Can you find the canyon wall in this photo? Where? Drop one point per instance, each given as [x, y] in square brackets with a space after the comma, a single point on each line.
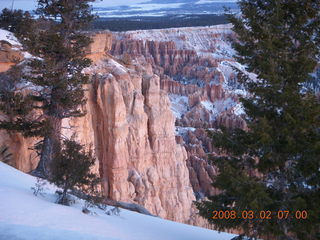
[195, 70]
[153, 95]
[14, 148]
[130, 126]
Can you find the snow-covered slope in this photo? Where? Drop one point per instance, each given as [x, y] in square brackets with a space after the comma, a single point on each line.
[6, 36]
[9, 37]
[24, 216]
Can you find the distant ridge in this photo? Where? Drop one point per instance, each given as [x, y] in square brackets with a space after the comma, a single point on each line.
[145, 23]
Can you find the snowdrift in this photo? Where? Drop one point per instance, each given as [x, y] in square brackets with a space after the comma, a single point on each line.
[24, 216]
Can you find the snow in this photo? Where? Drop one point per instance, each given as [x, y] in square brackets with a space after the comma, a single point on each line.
[219, 106]
[209, 41]
[17, 46]
[120, 68]
[153, 7]
[28, 55]
[181, 131]
[138, 9]
[238, 109]
[179, 105]
[148, 14]
[199, 39]
[9, 37]
[226, 67]
[28, 217]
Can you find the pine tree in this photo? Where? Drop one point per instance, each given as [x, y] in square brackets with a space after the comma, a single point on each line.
[275, 165]
[71, 170]
[57, 74]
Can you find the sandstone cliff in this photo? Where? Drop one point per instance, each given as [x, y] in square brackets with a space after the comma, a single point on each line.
[133, 134]
[146, 116]
[195, 69]
[130, 126]
[14, 144]
[10, 50]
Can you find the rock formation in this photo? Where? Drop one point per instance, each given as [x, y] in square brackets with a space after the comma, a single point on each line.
[130, 126]
[15, 144]
[10, 54]
[194, 65]
[146, 118]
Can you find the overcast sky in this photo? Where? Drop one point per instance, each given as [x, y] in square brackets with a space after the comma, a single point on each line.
[30, 4]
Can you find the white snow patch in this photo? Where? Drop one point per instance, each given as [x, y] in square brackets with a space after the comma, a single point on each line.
[226, 67]
[153, 7]
[241, 92]
[9, 37]
[27, 217]
[118, 66]
[217, 107]
[147, 14]
[179, 105]
[28, 55]
[139, 9]
[208, 105]
[238, 109]
[181, 131]
[17, 46]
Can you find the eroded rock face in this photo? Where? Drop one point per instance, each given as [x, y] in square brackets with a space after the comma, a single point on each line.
[130, 126]
[17, 146]
[100, 46]
[21, 156]
[9, 55]
[132, 111]
[133, 128]
[194, 65]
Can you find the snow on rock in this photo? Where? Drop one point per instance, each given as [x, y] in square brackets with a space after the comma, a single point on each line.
[9, 37]
[181, 131]
[238, 109]
[117, 65]
[11, 51]
[219, 106]
[201, 39]
[190, 76]
[179, 105]
[28, 217]
[228, 67]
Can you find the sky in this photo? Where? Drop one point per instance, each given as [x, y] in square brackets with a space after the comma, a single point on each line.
[30, 4]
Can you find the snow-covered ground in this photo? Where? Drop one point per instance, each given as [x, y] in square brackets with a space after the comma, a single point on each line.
[201, 39]
[9, 37]
[179, 105]
[181, 131]
[24, 216]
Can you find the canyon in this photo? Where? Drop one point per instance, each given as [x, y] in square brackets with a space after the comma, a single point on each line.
[153, 96]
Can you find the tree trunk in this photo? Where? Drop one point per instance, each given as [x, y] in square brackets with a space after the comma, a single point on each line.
[64, 199]
[51, 146]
